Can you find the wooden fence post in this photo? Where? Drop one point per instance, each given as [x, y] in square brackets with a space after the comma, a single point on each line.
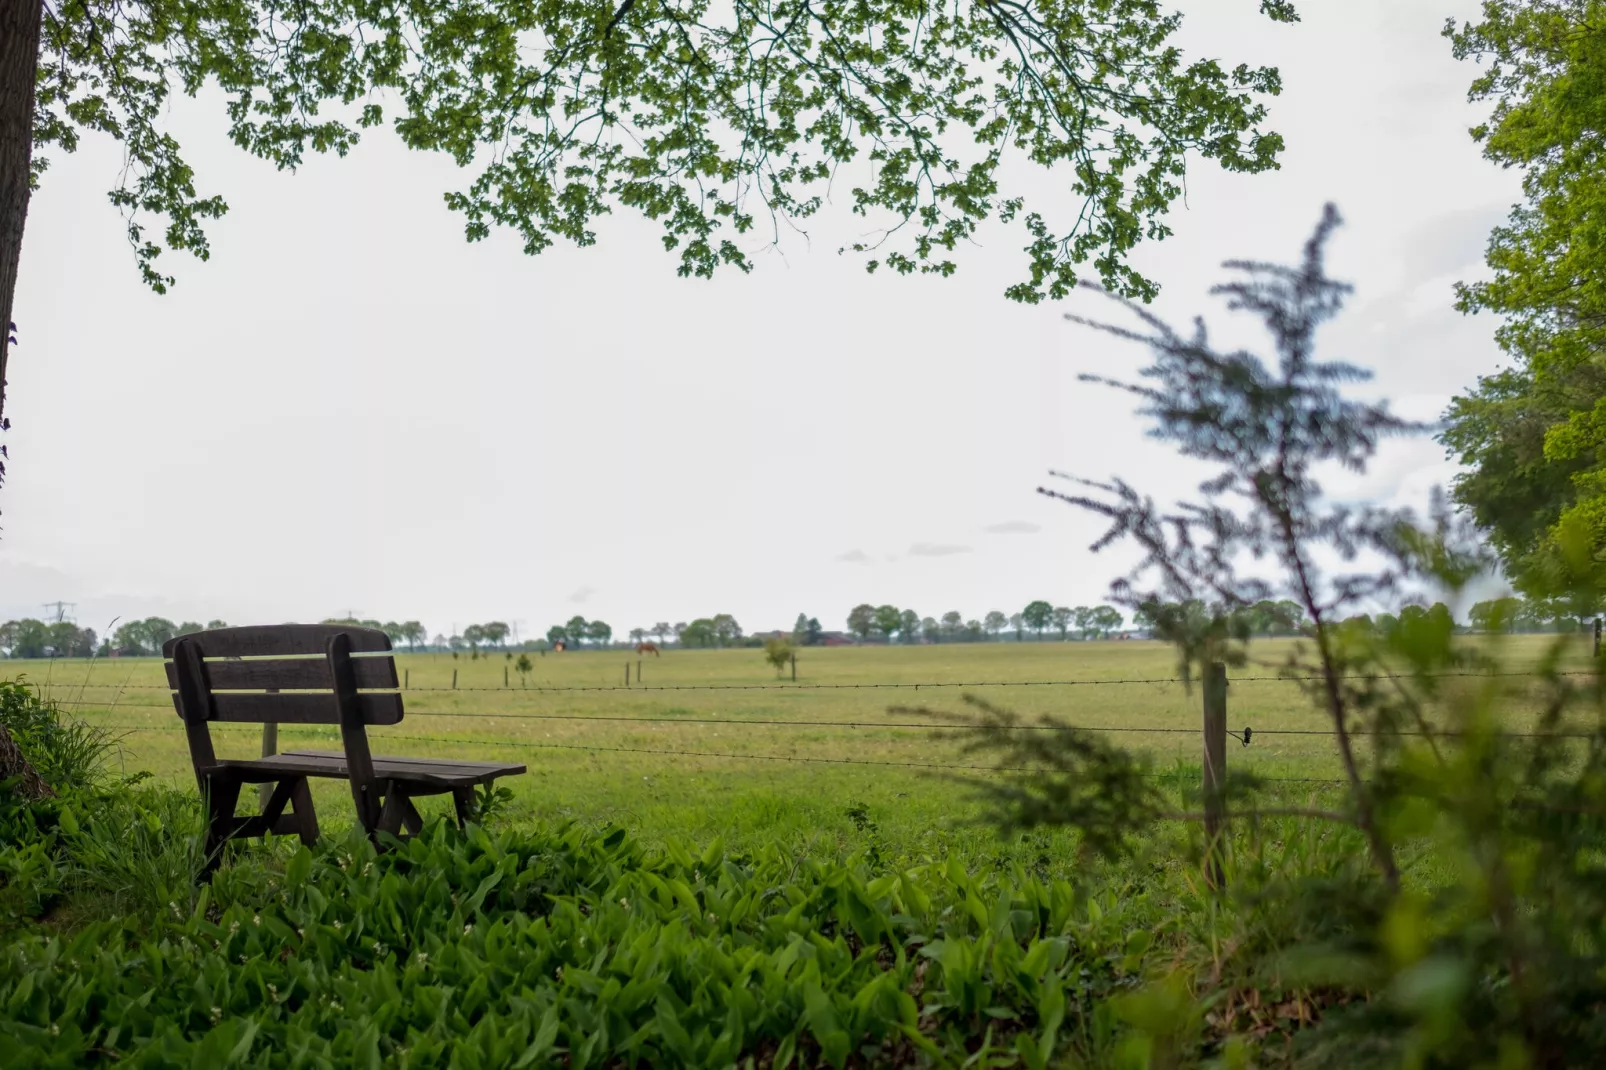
[638, 670]
[1215, 769]
[270, 747]
[504, 676]
[407, 679]
[794, 668]
[1597, 638]
[454, 679]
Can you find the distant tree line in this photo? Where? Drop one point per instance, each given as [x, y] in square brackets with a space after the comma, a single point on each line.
[1039, 620]
[29, 638]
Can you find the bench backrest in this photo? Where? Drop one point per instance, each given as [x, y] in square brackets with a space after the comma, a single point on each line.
[288, 673]
[282, 673]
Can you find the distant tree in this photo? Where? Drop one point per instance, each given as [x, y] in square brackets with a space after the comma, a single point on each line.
[557, 634]
[777, 652]
[1017, 623]
[816, 633]
[523, 667]
[495, 632]
[699, 633]
[800, 629]
[638, 635]
[662, 631]
[909, 626]
[1499, 614]
[930, 630]
[888, 619]
[974, 631]
[680, 628]
[861, 621]
[726, 631]
[28, 638]
[393, 632]
[1037, 616]
[1083, 618]
[994, 622]
[66, 640]
[214, 625]
[1063, 618]
[1104, 620]
[189, 627]
[953, 625]
[413, 633]
[599, 633]
[577, 629]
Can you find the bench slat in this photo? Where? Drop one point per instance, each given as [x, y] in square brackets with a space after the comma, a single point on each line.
[289, 674]
[376, 708]
[333, 764]
[270, 640]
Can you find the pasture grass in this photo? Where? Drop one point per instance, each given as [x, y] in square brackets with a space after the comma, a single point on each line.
[706, 766]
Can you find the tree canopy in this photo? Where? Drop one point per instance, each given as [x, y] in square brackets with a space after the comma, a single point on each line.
[1533, 436]
[726, 124]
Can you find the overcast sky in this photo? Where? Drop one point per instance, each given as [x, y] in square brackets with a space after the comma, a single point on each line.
[349, 408]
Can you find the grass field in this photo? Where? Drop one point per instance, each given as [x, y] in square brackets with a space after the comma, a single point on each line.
[712, 744]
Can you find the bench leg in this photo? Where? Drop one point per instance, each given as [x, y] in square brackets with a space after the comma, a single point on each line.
[399, 811]
[463, 802]
[222, 795]
[306, 816]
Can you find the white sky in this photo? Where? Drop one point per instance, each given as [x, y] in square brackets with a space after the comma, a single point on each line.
[350, 408]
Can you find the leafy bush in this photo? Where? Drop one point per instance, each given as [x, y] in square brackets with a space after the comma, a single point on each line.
[66, 752]
[560, 944]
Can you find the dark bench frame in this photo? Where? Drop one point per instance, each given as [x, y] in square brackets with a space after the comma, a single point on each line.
[305, 674]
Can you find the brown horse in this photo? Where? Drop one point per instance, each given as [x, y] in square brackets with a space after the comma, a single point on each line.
[647, 648]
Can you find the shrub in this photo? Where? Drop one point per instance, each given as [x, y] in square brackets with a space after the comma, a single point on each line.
[67, 753]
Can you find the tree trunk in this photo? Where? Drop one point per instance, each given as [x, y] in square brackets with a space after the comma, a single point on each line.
[19, 69]
[13, 764]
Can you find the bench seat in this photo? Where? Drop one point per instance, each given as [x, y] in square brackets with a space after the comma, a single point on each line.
[417, 773]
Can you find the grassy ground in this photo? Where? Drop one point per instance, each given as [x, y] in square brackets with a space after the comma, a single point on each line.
[705, 765]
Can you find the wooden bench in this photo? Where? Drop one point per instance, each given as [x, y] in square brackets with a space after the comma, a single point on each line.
[305, 674]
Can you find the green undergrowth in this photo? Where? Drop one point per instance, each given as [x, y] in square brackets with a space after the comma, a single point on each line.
[565, 945]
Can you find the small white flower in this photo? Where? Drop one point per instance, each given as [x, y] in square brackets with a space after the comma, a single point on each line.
[256, 919]
[422, 957]
[624, 903]
[234, 927]
[217, 1012]
[558, 973]
[337, 923]
[55, 1030]
[468, 928]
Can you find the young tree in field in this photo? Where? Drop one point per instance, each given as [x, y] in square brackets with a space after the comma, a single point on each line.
[474, 635]
[717, 121]
[888, 619]
[1037, 616]
[909, 626]
[862, 621]
[1063, 617]
[994, 622]
[523, 667]
[953, 625]
[778, 652]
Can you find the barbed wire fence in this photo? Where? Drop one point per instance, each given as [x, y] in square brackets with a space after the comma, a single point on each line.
[1213, 730]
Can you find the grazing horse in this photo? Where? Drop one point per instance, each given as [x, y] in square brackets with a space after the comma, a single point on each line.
[647, 648]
